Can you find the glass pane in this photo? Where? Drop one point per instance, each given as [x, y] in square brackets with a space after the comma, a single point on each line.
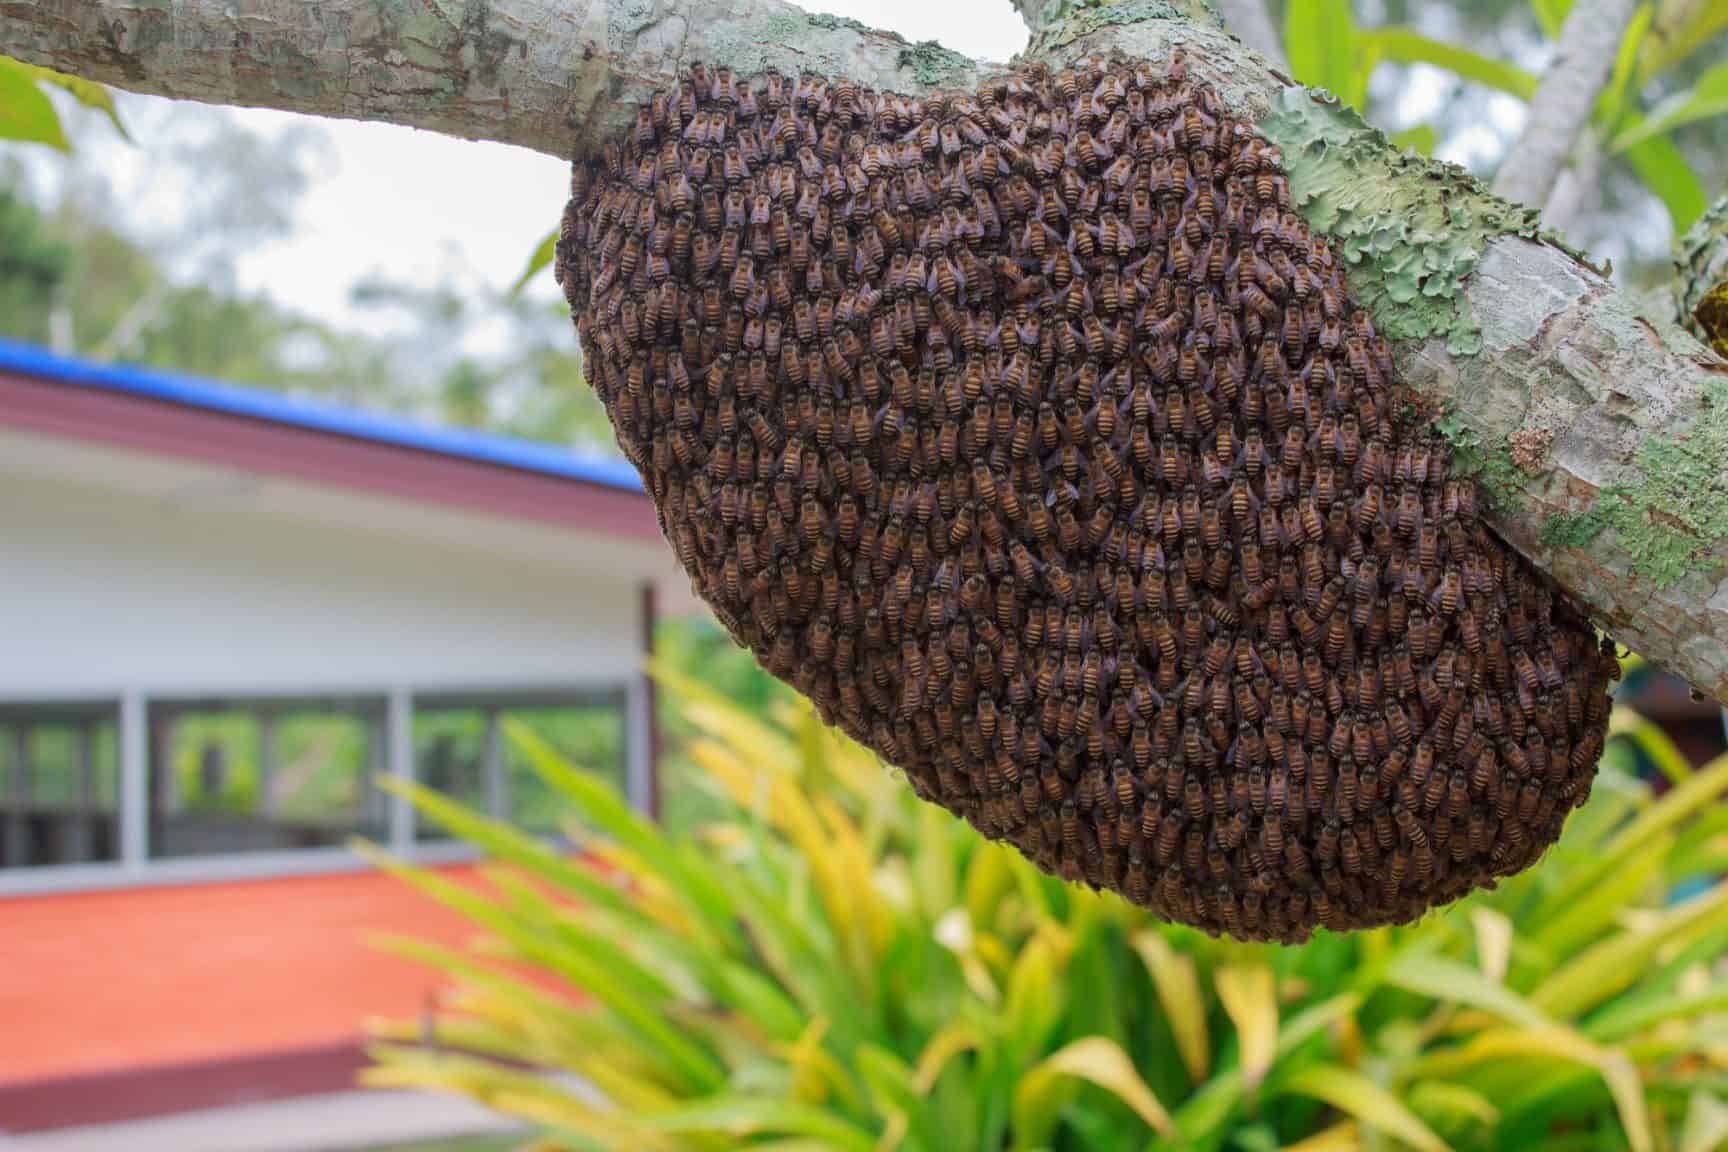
[59, 774]
[460, 750]
[449, 754]
[240, 776]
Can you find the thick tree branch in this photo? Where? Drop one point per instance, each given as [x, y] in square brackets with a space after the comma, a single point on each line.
[1701, 278]
[552, 75]
[1601, 435]
[1564, 100]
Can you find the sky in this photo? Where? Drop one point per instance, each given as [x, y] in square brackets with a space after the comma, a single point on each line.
[421, 208]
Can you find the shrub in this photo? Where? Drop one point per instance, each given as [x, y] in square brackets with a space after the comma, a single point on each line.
[828, 964]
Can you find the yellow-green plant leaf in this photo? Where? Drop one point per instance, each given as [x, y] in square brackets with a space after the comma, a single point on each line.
[1456, 1100]
[1250, 998]
[1611, 105]
[1178, 986]
[989, 877]
[1551, 14]
[1705, 99]
[948, 1043]
[605, 808]
[26, 113]
[1627, 1018]
[682, 1055]
[1493, 941]
[1706, 1128]
[1102, 1061]
[1317, 1018]
[539, 259]
[1321, 41]
[86, 92]
[1520, 1045]
[1681, 29]
[1035, 995]
[506, 842]
[740, 1115]
[1700, 790]
[1355, 1095]
[1587, 920]
[1453, 982]
[1649, 738]
[1408, 46]
[1342, 1137]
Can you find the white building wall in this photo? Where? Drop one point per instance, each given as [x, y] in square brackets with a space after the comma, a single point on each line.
[102, 589]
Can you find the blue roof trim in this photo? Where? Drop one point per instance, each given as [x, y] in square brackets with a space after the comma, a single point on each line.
[317, 416]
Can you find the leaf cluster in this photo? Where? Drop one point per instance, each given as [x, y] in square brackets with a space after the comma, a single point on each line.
[827, 964]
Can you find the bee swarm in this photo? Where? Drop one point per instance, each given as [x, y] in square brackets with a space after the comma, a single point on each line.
[1033, 437]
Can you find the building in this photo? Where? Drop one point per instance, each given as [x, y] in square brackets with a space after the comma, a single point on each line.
[226, 614]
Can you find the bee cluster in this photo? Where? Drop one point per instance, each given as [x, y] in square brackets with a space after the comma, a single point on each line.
[1032, 435]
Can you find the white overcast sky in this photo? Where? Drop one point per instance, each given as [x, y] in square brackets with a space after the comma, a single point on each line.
[423, 208]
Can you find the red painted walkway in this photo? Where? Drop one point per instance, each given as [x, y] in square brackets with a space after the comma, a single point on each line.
[120, 982]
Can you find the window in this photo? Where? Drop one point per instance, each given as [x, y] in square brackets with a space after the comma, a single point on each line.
[460, 749]
[59, 784]
[239, 776]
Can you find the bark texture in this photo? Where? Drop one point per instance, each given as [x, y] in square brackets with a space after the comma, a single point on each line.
[1600, 434]
[1564, 100]
[557, 76]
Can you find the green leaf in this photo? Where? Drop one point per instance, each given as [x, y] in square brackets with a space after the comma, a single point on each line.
[1658, 747]
[1421, 137]
[738, 1115]
[1178, 988]
[1608, 968]
[506, 842]
[543, 254]
[1104, 1063]
[1667, 46]
[1449, 981]
[1353, 1093]
[1705, 99]
[1611, 105]
[1320, 39]
[684, 1058]
[609, 812]
[1408, 46]
[1551, 14]
[86, 92]
[26, 113]
[1250, 999]
[1706, 1123]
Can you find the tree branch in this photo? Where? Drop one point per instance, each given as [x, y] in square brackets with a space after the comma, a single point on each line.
[1578, 185]
[1701, 281]
[1564, 100]
[1600, 434]
[550, 75]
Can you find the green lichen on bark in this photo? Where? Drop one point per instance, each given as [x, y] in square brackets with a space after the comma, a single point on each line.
[1674, 510]
[930, 63]
[1410, 230]
[1572, 529]
[1490, 465]
[1702, 278]
[1062, 22]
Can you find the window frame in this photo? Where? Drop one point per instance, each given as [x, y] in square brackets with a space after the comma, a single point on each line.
[397, 703]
